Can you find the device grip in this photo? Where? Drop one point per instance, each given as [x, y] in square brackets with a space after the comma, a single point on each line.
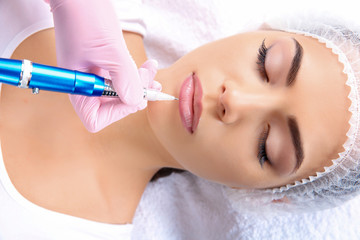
[63, 80]
[10, 71]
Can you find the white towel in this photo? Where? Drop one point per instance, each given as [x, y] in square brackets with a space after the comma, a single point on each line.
[184, 206]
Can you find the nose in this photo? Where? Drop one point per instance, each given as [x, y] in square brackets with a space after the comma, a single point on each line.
[237, 102]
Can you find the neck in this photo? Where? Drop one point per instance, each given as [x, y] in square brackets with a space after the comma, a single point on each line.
[133, 141]
[134, 154]
[133, 136]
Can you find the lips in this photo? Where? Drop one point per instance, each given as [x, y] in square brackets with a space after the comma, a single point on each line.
[190, 105]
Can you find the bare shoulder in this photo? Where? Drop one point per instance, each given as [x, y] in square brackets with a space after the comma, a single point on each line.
[39, 47]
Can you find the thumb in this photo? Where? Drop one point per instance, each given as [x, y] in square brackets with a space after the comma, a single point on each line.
[127, 82]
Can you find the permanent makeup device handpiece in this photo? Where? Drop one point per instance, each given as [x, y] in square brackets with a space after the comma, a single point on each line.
[26, 74]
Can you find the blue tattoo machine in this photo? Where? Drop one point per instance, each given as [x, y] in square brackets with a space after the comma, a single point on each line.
[26, 74]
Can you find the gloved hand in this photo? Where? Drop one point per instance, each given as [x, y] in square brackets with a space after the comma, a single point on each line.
[98, 112]
[89, 39]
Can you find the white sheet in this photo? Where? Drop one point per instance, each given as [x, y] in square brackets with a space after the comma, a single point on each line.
[184, 206]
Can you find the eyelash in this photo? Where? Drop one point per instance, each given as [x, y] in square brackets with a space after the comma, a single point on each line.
[262, 156]
[261, 60]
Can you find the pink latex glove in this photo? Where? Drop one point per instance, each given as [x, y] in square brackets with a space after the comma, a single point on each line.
[98, 112]
[89, 39]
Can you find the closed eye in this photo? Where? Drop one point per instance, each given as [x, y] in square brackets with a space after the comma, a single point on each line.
[262, 155]
[261, 61]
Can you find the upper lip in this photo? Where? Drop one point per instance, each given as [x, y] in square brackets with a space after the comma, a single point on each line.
[190, 105]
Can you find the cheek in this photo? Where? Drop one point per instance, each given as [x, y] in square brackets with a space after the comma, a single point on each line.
[223, 155]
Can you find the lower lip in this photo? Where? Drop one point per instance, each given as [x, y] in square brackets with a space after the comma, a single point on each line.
[190, 105]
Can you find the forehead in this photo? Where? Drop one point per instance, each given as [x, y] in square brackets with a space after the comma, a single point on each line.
[319, 101]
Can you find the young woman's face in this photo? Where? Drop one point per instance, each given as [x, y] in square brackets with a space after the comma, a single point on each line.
[272, 109]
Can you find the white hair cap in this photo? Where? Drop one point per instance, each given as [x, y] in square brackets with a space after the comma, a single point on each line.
[341, 181]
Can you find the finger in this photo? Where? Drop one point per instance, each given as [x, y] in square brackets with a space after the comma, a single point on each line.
[156, 85]
[147, 73]
[152, 65]
[127, 83]
[86, 108]
[110, 112]
[115, 58]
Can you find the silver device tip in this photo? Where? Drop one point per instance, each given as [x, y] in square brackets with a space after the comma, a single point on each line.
[154, 95]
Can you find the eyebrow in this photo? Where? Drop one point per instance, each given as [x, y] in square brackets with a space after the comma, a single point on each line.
[296, 140]
[295, 64]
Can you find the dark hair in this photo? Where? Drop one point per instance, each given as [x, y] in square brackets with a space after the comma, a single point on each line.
[164, 172]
